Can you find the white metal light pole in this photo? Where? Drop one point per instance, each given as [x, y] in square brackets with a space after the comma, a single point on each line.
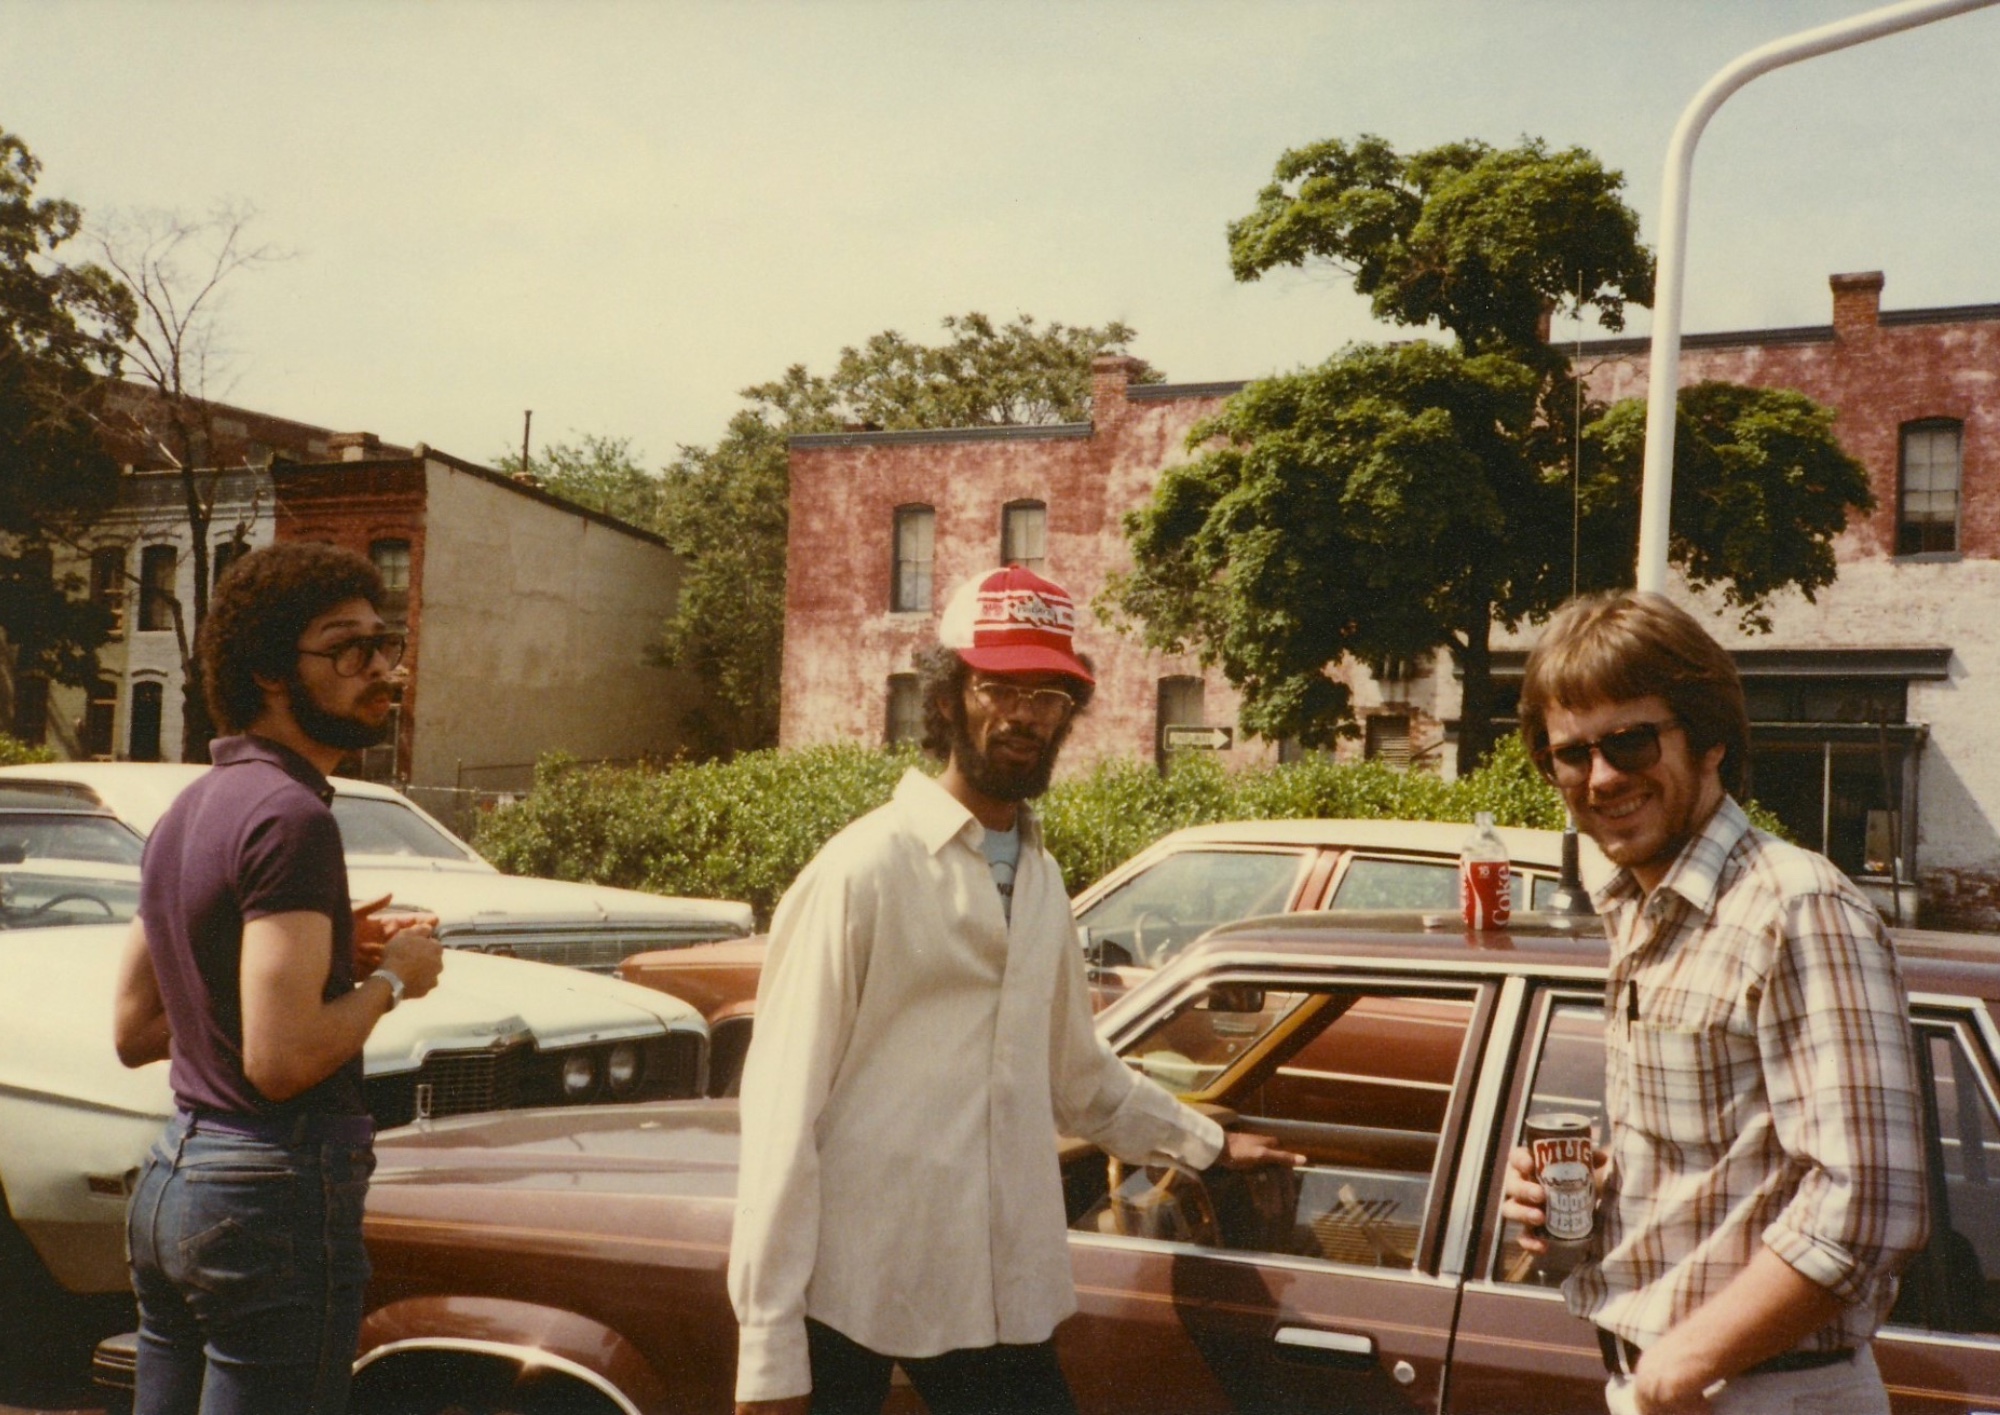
[1656, 491]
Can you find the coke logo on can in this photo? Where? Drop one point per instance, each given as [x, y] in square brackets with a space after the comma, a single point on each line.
[1563, 1154]
[1485, 893]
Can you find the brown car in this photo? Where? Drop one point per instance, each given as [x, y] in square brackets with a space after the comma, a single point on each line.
[574, 1260]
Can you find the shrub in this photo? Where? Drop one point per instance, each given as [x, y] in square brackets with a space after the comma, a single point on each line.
[742, 829]
[15, 752]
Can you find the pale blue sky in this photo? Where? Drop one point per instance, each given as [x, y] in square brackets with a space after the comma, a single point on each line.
[618, 214]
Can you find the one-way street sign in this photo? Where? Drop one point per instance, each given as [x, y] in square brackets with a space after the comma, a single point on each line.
[1212, 739]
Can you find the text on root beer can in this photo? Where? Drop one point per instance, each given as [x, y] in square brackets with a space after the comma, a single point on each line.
[1561, 1145]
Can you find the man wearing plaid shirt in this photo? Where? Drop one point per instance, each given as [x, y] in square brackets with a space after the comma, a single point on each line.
[1764, 1178]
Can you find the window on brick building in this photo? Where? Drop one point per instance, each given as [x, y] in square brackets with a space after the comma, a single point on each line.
[147, 700]
[906, 710]
[910, 575]
[227, 553]
[1182, 702]
[100, 715]
[1024, 535]
[1927, 494]
[392, 560]
[1388, 739]
[31, 709]
[107, 583]
[156, 587]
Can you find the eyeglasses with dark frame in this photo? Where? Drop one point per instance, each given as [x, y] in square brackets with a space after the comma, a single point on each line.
[1035, 704]
[1633, 748]
[351, 657]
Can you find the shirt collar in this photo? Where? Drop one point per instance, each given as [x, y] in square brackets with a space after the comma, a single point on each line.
[233, 751]
[1696, 873]
[939, 817]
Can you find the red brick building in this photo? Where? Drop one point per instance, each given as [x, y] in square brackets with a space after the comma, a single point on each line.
[1871, 731]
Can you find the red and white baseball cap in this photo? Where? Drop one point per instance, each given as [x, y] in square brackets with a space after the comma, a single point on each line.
[1013, 621]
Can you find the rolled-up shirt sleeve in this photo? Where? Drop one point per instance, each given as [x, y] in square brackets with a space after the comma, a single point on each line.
[806, 1003]
[1841, 1074]
[1098, 1098]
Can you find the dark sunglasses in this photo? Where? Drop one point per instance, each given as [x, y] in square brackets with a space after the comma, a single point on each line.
[1631, 748]
[352, 656]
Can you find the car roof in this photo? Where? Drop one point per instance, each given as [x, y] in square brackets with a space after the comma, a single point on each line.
[1534, 943]
[1525, 845]
[14, 802]
[140, 792]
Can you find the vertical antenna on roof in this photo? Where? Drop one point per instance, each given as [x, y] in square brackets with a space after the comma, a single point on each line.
[527, 421]
[1576, 452]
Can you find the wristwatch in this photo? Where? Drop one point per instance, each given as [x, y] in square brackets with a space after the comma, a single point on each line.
[395, 985]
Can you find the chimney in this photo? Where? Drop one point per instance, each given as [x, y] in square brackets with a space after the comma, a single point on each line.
[1857, 303]
[1110, 374]
[354, 446]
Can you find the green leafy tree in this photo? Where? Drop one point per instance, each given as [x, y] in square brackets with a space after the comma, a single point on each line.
[725, 508]
[61, 327]
[598, 472]
[1407, 498]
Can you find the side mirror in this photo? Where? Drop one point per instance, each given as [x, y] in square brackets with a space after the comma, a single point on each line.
[1234, 997]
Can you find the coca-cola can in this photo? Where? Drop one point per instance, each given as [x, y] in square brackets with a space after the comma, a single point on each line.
[1485, 893]
[1563, 1153]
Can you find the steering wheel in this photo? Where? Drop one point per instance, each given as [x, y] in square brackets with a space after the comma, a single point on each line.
[1162, 923]
[74, 895]
[1177, 1208]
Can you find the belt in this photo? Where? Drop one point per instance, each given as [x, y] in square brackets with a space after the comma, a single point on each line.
[305, 1128]
[1621, 1358]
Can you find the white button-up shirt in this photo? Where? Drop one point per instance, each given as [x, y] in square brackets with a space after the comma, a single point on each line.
[914, 1059]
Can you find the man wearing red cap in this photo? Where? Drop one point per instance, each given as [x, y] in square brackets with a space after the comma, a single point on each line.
[924, 1032]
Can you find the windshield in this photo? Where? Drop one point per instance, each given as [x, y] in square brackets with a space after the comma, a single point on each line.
[62, 869]
[1159, 911]
[369, 826]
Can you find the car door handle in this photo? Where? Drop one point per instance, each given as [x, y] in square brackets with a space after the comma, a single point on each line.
[1331, 1348]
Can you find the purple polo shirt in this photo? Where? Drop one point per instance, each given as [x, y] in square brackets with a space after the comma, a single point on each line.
[253, 837]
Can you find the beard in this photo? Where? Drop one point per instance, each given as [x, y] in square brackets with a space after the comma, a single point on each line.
[332, 729]
[1003, 781]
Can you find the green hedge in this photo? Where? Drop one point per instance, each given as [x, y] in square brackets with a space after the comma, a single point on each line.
[742, 829]
[15, 752]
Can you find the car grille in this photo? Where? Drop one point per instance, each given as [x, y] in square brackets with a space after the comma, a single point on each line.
[598, 950]
[472, 1082]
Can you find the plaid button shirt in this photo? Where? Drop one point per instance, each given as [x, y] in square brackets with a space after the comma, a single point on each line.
[1761, 1088]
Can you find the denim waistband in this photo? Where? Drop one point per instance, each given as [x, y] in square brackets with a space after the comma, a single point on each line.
[305, 1128]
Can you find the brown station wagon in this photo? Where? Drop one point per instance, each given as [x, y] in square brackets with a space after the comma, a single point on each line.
[574, 1260]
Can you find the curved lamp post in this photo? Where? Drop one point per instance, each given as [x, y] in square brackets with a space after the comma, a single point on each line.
[1657, 488]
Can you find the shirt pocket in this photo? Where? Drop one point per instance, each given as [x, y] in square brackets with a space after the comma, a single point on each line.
[1690, 1086]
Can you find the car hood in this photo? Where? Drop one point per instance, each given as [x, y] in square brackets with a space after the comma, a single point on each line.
[651, 1148]
[471, 900]
[487, 1000]
[56, 1016]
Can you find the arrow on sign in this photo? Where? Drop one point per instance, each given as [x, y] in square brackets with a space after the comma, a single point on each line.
[1212, 739]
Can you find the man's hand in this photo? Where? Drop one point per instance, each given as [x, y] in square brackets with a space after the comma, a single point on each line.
[1672, 1378]
[1241, 1151]
[372, 929]
[1521, 1198]
[414, 955]
[790, 1405]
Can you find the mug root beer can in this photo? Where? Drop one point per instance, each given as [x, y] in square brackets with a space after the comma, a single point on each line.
[1561, 1145]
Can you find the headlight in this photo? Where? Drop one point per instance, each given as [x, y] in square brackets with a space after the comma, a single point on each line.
[621, 1072]
[579, 1076]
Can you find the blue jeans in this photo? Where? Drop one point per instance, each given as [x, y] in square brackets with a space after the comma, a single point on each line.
[248, 1264]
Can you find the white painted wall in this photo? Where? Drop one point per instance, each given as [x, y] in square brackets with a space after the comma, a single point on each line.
[535, 630]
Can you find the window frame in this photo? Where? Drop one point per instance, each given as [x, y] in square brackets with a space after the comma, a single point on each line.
[1010, 550]
[912, 580]
[1906, 529]
[156, 600]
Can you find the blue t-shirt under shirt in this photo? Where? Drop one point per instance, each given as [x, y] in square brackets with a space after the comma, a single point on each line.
[1002, 849]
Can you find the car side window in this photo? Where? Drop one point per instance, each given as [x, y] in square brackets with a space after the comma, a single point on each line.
[1568, 1079]
[1396, 884]
[1162, 909]
[1954, 1285]
[1360, 1082]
